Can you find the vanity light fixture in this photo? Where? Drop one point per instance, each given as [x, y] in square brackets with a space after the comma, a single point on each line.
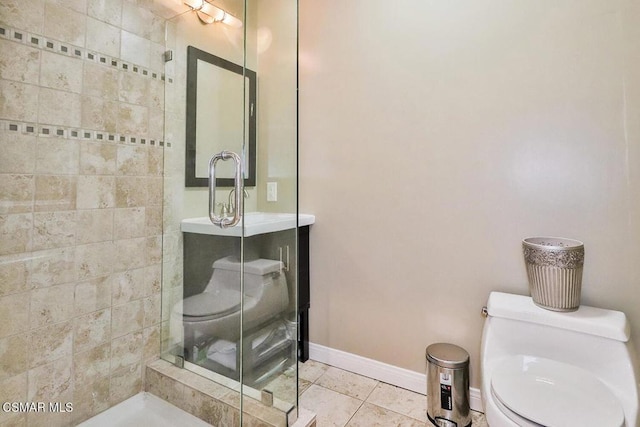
[209, 13]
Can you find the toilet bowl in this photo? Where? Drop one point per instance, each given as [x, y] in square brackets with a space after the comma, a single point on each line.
[215, 313]
[553, 369]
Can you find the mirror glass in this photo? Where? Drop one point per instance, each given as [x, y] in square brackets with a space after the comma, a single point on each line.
[221, 99]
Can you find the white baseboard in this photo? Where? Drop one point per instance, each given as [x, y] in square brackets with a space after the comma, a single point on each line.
[384, 372]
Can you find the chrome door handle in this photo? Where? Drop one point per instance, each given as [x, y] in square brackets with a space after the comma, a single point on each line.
[223, 221]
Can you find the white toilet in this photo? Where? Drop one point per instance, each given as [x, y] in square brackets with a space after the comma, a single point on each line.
[215, 313]
[553, 369]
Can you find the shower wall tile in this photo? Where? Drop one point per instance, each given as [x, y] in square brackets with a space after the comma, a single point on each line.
[19, 62]
[18, 152]
[54, 229]
[15, 233]
[97, 158]
[95, 192]
[128, 286]
[57, 156]
[56, 419]
[133, 160]
[153, 220]
[109, 11]
[95, 259]
[91, 330]
[128, 254]
[127, 318]
[77, 5]
[156, 59]
[133, 119]
[100, 114]
[126, 350]
[156, 125]
[53, 267]
[91, 381]
[14, 274]
[13, 356]
[90, 398]
[52, 305]
[19, 101]
[102, 37]
[152, 306]
[13, 389]
[134, 88]
[129, 223]
[50, 343]
[13, 12]
[134, 48]
[156, 93]
[154, 249]
[59, 107]
[92, 295]
[132, 15]
[64, 24]
[94, 225]
[131, 192]
[154, 191]
[51, 382]
[152, 279]
[125, 382]
[81, 125]
[151, 342]
[100, 81]
[55, 193]
[13, 318]
[61, 72]
[17, 191]
[92, 365]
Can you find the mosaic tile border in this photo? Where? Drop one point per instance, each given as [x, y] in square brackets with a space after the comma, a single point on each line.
[40, 130]
[52, 45]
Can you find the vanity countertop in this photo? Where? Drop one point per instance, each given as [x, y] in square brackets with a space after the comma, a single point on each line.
[254, 223]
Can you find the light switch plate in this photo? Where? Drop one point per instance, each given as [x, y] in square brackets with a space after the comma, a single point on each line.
[272, 191]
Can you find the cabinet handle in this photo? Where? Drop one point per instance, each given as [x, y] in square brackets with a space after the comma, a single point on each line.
[285, 264]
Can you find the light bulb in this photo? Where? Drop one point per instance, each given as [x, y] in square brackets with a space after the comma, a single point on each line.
[194, 4]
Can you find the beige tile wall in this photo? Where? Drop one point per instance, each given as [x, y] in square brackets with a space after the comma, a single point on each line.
[81, 164]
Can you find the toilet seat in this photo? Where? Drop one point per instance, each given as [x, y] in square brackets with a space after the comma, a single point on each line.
[210, 305]
[550, 393]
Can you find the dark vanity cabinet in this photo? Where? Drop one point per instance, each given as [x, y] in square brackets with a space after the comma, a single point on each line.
[201, 250]
[304, 296]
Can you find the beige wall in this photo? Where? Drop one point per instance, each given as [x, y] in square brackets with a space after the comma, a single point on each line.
[434, 136]
[277, 103]
[81, 88]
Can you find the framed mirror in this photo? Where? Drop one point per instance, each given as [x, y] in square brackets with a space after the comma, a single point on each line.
[221, 115]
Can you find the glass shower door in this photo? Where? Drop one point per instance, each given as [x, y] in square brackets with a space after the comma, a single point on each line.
[270, 347]
[230, 290]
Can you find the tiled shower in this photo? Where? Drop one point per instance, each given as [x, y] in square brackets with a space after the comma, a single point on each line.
[81, 143]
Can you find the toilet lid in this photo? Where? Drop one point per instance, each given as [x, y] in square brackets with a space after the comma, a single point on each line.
[554, 394]
[218, 302]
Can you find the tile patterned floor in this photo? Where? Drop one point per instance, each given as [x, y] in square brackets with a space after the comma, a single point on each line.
[344, 399]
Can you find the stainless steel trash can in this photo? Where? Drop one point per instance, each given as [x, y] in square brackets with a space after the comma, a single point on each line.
[448, 385]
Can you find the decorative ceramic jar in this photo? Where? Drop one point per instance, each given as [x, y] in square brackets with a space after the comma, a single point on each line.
[554, 268]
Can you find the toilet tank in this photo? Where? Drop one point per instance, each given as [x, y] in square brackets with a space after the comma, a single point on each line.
[594, 339]
[258, 273]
